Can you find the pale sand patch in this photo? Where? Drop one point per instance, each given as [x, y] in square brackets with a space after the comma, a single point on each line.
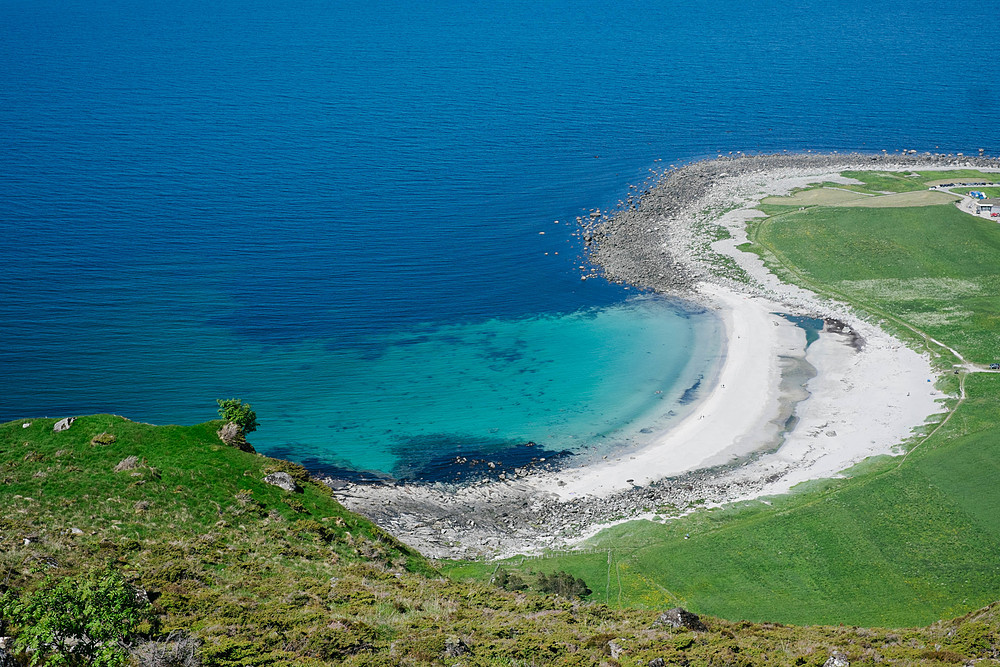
[860, 404]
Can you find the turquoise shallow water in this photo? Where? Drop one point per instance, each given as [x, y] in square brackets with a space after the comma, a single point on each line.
[587, 382]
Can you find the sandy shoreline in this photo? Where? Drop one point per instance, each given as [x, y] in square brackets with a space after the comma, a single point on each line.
[737, 414]
[864, 400]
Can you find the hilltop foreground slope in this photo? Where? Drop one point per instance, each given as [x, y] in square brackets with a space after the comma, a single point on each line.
[261, 576]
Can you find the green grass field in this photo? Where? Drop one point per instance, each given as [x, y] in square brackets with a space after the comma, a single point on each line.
[933, 267]
[902, 541]
[989, 191]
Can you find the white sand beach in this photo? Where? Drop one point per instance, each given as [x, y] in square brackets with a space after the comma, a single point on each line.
[732, 420]
[861, 403]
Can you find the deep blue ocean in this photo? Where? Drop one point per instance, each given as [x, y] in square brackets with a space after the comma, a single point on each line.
[334, 209]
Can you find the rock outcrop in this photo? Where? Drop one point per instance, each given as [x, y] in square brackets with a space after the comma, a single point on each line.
[232, 435]
[679, 618]
[63, 424]
[282, 480]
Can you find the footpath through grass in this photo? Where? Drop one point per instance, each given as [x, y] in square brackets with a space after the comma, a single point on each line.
[900, 542]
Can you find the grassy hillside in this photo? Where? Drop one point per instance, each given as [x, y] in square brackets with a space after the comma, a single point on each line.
[261, 576]
[902, 541]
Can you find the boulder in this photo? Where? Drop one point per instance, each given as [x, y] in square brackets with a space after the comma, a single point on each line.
[127, 463]
[455, 647]
[679, 618]
[282, 480]
[232, 435]
[6, 659]
[657, 662]
[63, 424]
[615, 649]
[837, 659]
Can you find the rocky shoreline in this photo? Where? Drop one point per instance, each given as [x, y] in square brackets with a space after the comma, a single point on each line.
[658, 241]
[651, 242]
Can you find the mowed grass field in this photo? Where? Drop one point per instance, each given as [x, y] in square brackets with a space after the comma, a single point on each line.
[902, 541]
[933, 267]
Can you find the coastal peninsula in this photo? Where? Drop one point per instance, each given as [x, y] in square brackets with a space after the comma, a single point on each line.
[756, 433]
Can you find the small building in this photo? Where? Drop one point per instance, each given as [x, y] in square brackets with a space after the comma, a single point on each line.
[987, 206]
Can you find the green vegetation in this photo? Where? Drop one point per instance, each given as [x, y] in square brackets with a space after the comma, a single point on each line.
[235, 411]
[935, 267]
[79, 620]
[958, 175]
[245, 574]
[885, 181]
[900, 541]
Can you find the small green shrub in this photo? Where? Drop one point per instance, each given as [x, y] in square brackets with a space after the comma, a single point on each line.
[343, 637]
[509, 581]
[234, 410]
[83, 620]
[563, 584]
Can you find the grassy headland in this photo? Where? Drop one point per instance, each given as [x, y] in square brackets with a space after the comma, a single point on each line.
[260, 576]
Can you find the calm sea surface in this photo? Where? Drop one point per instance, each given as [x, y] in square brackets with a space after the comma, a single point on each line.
[333, 209]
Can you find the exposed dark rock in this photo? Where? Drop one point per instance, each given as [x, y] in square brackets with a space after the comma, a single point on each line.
[283, 480]
[657, 662]
[63, 424]
[127, 463]
[455, 647]
[679, 618]
[837, 659]
[232, 435]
